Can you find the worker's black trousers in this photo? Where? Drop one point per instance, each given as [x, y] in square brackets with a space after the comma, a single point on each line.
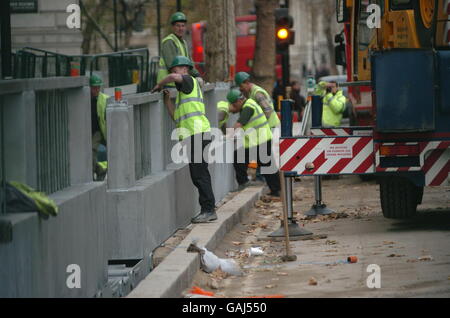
[200, 174]
[272, 179]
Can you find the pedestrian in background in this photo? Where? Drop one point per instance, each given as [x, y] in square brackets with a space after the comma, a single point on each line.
[299, 100]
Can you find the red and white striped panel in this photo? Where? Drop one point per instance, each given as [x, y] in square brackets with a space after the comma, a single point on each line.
[331, 131]
[434, 161]
[343, 131]
[329, 155]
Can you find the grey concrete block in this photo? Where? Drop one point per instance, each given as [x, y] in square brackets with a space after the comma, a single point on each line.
[34, 264]
[177, 270]
[54, 6]
[33, 20]
[20, 138]
[121, 162]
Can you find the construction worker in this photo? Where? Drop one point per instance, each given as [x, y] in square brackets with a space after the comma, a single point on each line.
[321, 89]
[174, 45]
[223, 113]
[334, 103]
[98, 119]
[258, 94]
[257, 140]
[190, 118]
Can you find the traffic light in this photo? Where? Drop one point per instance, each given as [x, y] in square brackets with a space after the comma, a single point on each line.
[285, 36]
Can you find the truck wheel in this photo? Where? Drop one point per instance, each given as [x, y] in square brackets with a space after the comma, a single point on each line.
[419, 195]
[425, 12]
[399, 198]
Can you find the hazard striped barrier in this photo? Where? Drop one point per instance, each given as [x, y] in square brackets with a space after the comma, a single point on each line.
[308, 156]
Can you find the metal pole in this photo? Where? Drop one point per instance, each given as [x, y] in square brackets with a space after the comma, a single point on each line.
[5, 35]
[318, 189]
[2, 158]
[289, 198]
[158, 26]
[286, 182]
[179, 5]
[116, 46]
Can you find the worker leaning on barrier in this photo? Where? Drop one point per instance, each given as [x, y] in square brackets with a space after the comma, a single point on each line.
[174, 45]
[334, 103]
[223, 114]
[190, 118]
[257, 135]
[98, 119]
[258, 94]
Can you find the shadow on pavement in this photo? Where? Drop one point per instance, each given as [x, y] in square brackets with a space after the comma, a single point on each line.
[427, 219]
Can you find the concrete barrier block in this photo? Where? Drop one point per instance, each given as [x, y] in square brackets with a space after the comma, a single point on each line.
[35, 263]
[33, 20]
[52, 5]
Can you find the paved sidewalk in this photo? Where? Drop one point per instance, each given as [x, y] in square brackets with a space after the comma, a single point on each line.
[177, 270]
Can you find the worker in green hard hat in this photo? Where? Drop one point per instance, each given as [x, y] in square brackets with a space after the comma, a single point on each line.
[257, 141]
[260, 95]
[193, 129]
[98, 119]
[174, 45]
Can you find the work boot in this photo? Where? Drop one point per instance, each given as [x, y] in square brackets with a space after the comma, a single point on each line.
[247, 184]
[274, 194]
[205, 217]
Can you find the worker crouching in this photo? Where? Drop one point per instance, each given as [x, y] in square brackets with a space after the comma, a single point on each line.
[257, 141]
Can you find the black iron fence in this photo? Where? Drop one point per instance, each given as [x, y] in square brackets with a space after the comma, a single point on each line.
[121, 68]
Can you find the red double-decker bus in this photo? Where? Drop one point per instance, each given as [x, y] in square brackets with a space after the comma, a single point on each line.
[245, 45]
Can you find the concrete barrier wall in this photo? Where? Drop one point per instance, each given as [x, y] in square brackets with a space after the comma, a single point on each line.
[34, 263]
[125, 218]
[145, 212]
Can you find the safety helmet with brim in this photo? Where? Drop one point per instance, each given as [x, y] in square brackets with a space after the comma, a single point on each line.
[241, 77]
[178, 17]
[234, 95]
[181, 61]
[95, 80]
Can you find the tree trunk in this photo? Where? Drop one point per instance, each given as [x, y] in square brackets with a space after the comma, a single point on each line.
[220, 44]
[264, 64]
[330, 11]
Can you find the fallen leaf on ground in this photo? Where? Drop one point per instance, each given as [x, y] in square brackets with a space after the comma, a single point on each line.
[425, 258]
[330, 242]
[236, 243]
[270, 286]
[286, 274]
[219, 274]
[312, 281]
[395, 255]
[388, 242]
[214, 284]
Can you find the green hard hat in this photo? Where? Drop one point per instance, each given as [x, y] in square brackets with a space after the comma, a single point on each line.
[95, 80]
[234, 95]
[181, 61]
[241, 77]
[178, 17]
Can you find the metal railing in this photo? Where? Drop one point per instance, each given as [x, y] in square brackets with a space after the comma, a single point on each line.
[122, 68]
[2, 162]
[52, 135]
